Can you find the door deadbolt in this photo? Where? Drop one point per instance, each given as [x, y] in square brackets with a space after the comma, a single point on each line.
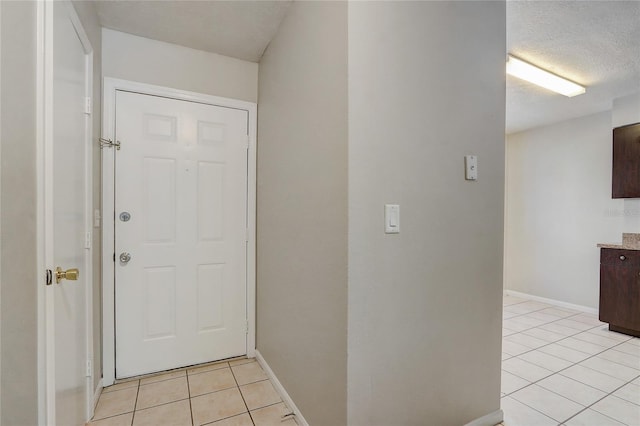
[125, 257]
[125, 216]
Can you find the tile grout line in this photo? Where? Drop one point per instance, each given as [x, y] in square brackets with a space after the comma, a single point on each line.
[189, 393]
[241, 394]
[135, 404]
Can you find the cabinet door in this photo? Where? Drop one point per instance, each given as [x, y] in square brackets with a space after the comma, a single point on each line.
[626, 162]
[620, 289]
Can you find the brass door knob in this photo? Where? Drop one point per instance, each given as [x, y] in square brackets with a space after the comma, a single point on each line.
[70, 274]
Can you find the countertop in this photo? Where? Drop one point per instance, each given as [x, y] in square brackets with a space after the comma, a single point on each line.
[629, 242]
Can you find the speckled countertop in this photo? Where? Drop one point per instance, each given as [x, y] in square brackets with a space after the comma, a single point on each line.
[629, 242]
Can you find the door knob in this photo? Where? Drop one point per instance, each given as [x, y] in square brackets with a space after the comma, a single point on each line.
[125, 257]
[69, 274]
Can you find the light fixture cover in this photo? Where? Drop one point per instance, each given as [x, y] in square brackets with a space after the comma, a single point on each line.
[525, 71]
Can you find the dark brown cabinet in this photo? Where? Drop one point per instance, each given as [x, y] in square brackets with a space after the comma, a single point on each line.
[626, 162]
[620, 290]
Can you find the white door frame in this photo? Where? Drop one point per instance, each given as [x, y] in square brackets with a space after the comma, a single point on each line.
[44, 208]
[110, 87]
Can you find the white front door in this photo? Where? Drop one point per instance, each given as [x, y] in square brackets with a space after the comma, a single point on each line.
[180, 233]
[66, 210]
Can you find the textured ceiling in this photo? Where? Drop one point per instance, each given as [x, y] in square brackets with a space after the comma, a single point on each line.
[594, 43]
[240, 29]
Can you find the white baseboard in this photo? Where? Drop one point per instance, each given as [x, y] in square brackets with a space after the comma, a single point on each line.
[281, 390]
[551, 302]
[490, 419]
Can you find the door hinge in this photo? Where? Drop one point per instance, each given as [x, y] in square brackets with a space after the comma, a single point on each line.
[246, 327]
[48, 280]
[87, 240]
[87, 105]
[246, 235]
[114, 257]
[89, 369]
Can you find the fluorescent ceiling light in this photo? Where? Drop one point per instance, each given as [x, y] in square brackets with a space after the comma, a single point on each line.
[525, 71]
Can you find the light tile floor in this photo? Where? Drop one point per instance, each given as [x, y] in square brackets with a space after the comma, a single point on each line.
[228, 393]
[563, 367]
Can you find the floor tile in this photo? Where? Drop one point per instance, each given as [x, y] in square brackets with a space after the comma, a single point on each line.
[525, 370]
[588, 319]
[162, 392]
[628, 348]
[164, 376]
[114, 403]
[572, 389]
[121, 420]
[259, 394]
[559, 312]
[545, 360]
[272, 415]
[613, 369]
[506, 356]
[560, 329]
[120, 386]
[513, 348]
[241, 420]
[630, 392]
[217, 406]
[545, 335]
[526, 340]
[507, 315]
[582, 346]
[548, 403]
[604, 331]
[515, 325]
[507, 332]
[512, 383]
[592, 418]
[542, 316]
[563, 352]
[629, 360]
[172, 414]
[619, 409]
[525, 307]
[248, 373]
[241, 361]
[634, 341]
[569, 322]
[519, 414]
[208, 367]
[596, 339]
[211, 381]
[592, 378]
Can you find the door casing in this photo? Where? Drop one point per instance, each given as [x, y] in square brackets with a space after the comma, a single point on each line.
[44, 206]
[110, 87]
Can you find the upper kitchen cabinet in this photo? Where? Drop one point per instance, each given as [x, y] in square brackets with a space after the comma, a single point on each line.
[626, 161]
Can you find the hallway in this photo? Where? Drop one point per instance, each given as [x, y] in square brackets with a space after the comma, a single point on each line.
[227, 393]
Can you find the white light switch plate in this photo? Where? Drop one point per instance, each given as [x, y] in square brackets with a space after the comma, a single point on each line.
[471, 167]
[391, 218]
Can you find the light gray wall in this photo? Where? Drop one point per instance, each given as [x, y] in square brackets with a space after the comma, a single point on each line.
[18, 323]
[89, 19]
[302, 209]
[559, 207]
[149, 61]
[426, 87]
